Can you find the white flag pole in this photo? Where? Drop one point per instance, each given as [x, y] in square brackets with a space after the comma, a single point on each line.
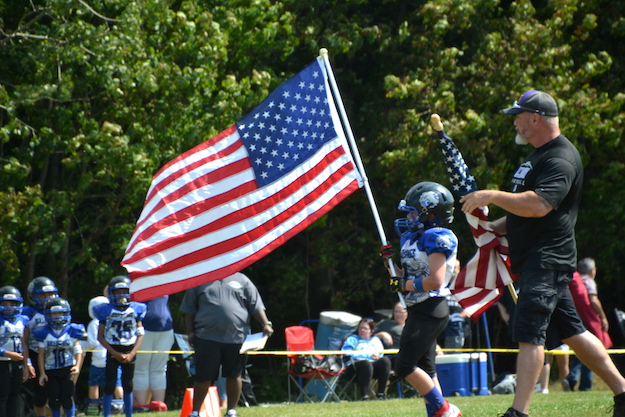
[323, 52]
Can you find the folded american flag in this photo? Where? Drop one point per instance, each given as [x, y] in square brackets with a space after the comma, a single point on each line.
[479, 284]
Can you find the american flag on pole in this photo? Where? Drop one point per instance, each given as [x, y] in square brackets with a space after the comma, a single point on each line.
[233, 199]
[479, 284]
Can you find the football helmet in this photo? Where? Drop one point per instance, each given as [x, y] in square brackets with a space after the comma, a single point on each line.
[12, 295]
[41, 285]
[432, 204]
[94, 302]
[57, 305]
[117, 283]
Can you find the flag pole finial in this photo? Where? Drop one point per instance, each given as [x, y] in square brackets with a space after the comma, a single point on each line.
[323, 51]
[436, 122]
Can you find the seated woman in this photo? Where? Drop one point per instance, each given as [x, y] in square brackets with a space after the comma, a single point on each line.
[369, 364]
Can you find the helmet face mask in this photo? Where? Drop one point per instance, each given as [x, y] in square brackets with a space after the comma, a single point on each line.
[119, 291]
[428, 204]
[11, 302]
[58, 313]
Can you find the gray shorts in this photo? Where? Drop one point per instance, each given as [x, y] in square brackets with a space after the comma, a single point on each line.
[545, 313]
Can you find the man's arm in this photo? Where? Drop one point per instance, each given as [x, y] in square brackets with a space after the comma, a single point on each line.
[525, 204]
[188, 324]
[596, 305]
[261, 316]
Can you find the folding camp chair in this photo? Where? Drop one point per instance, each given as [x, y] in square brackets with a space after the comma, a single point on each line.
[301, 339]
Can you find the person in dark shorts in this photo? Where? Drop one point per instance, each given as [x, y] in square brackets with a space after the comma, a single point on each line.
[542, 211]
[217, 319]
[428, 257]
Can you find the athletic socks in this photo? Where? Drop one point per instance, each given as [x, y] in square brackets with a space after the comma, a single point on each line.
[128, 403]
[107, 401]
[434, 401]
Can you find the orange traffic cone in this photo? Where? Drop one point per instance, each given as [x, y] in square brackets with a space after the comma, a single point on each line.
[209, 408]
[187, 403]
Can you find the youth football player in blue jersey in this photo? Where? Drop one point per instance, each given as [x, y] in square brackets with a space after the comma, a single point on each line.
[40, 290]
[121, 333]
[12, 325]
[428, 256]
[60, 355]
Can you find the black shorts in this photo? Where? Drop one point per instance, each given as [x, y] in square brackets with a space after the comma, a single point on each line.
[209, 355]
[417, 346]
[545, 313]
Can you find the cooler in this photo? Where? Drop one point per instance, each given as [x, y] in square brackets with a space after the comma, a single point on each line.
[462, 374]
[333, 327]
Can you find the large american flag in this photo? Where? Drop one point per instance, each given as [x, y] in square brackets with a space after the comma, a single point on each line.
[479, 284]
[231, 200]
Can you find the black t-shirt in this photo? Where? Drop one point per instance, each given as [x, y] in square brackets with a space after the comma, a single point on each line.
[555, 172]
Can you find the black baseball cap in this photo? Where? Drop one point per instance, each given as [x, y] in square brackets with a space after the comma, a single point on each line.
[534, 101]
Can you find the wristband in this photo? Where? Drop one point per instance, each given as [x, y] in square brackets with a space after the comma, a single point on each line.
[2, 351]
[140, 331]
[268, 323]
[418, 285]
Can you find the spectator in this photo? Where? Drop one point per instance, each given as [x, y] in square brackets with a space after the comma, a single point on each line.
[370, 364]
[459, 324]
[151, 365]
[389, 331]
[217, 318]
[591, 312]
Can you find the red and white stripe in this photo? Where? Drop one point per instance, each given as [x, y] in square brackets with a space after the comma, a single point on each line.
[479, 284]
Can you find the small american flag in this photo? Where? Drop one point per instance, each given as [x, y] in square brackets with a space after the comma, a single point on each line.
[479, 284]
[233, 199]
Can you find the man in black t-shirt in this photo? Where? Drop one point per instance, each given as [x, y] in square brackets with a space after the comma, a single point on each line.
[542, 210]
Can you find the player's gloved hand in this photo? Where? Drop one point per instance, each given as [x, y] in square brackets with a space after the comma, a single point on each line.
[396, 284]
[387, 252]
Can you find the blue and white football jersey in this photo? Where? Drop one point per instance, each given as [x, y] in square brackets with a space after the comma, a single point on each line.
[414, 258]
[59, 344]
[11, 333]
[37, 321]
[120, 326]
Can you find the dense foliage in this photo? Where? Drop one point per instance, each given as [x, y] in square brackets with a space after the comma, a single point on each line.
[95, 95]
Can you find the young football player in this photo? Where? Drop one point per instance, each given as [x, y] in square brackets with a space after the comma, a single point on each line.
[60, 355]
[121, 333]
[428, 257]
[40, 290]
[12, 325]
[97, 377]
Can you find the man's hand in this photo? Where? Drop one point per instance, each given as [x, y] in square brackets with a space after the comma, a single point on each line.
[396, 284]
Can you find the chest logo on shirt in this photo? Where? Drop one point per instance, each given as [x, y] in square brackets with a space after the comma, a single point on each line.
[520, 175]
[523, 170]
[235, 284]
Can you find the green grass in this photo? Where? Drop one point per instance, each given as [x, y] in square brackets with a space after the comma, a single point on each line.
[567, 404]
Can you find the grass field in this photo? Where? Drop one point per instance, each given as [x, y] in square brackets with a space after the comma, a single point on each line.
[566, 404]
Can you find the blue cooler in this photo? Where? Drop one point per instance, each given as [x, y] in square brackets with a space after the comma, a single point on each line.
[462, 374]
[479, 378]
[333, 327]
[453, 373]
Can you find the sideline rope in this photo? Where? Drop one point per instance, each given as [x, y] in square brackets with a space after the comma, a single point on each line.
[385, 351]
